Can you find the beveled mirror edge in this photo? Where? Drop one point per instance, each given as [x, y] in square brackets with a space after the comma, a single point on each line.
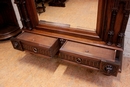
[105, 28]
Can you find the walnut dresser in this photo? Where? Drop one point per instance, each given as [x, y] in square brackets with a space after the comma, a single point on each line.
[99, 50]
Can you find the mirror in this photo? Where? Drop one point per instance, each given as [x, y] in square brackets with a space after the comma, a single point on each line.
[110, 22]
[77, 14]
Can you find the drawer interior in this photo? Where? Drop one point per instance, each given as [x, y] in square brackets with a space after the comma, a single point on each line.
[38, 39]
[88, 50]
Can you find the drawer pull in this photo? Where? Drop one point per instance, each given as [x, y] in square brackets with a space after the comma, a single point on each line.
[35, 50]
[78, 60]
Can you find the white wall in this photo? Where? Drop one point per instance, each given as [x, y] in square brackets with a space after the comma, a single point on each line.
[127, 41]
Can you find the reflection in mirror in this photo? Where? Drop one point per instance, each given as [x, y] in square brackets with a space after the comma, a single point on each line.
[79, 14]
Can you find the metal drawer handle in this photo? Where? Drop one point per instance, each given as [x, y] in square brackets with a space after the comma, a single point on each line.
[78, 60]
[35, 50]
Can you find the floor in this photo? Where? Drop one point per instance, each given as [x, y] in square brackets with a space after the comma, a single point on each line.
[21, 69]
[78, 14]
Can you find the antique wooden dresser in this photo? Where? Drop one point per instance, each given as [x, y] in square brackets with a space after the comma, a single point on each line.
[99, 50]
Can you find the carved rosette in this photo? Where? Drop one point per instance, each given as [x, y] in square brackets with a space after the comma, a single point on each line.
[109, 68]
[121, 33]
[21, 4]
[16, 44]
[112, 22]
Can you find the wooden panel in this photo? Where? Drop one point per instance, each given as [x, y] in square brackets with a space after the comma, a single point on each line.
[88, 50]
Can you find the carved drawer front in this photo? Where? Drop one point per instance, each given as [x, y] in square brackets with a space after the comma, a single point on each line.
[39, 44]
[90, 56]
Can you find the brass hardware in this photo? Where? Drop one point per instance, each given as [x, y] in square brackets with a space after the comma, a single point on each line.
[35, 50]
[78, 60]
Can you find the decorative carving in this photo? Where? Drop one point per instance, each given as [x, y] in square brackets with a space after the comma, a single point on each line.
[86, 61]
[109, 68]
[124, 23]
[110, 37]
[62, 41]
[92, 63]
[36, 50]
[112, 22]
[17, 44]
[23, 13]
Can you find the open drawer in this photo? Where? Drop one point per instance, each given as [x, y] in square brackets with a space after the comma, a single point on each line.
[40, 44]
[90, 56]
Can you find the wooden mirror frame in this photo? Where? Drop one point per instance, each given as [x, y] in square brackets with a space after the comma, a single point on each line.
[111, 22]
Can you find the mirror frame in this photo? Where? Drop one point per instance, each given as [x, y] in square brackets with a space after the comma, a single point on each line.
[111, 22]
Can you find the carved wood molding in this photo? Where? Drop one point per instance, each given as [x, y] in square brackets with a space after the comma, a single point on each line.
[21, 4]
[87, 61]
[112, 22]
[126, 13]
[36, 49]
[106, 67]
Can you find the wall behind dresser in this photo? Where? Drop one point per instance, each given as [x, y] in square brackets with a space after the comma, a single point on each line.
[127, 41]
